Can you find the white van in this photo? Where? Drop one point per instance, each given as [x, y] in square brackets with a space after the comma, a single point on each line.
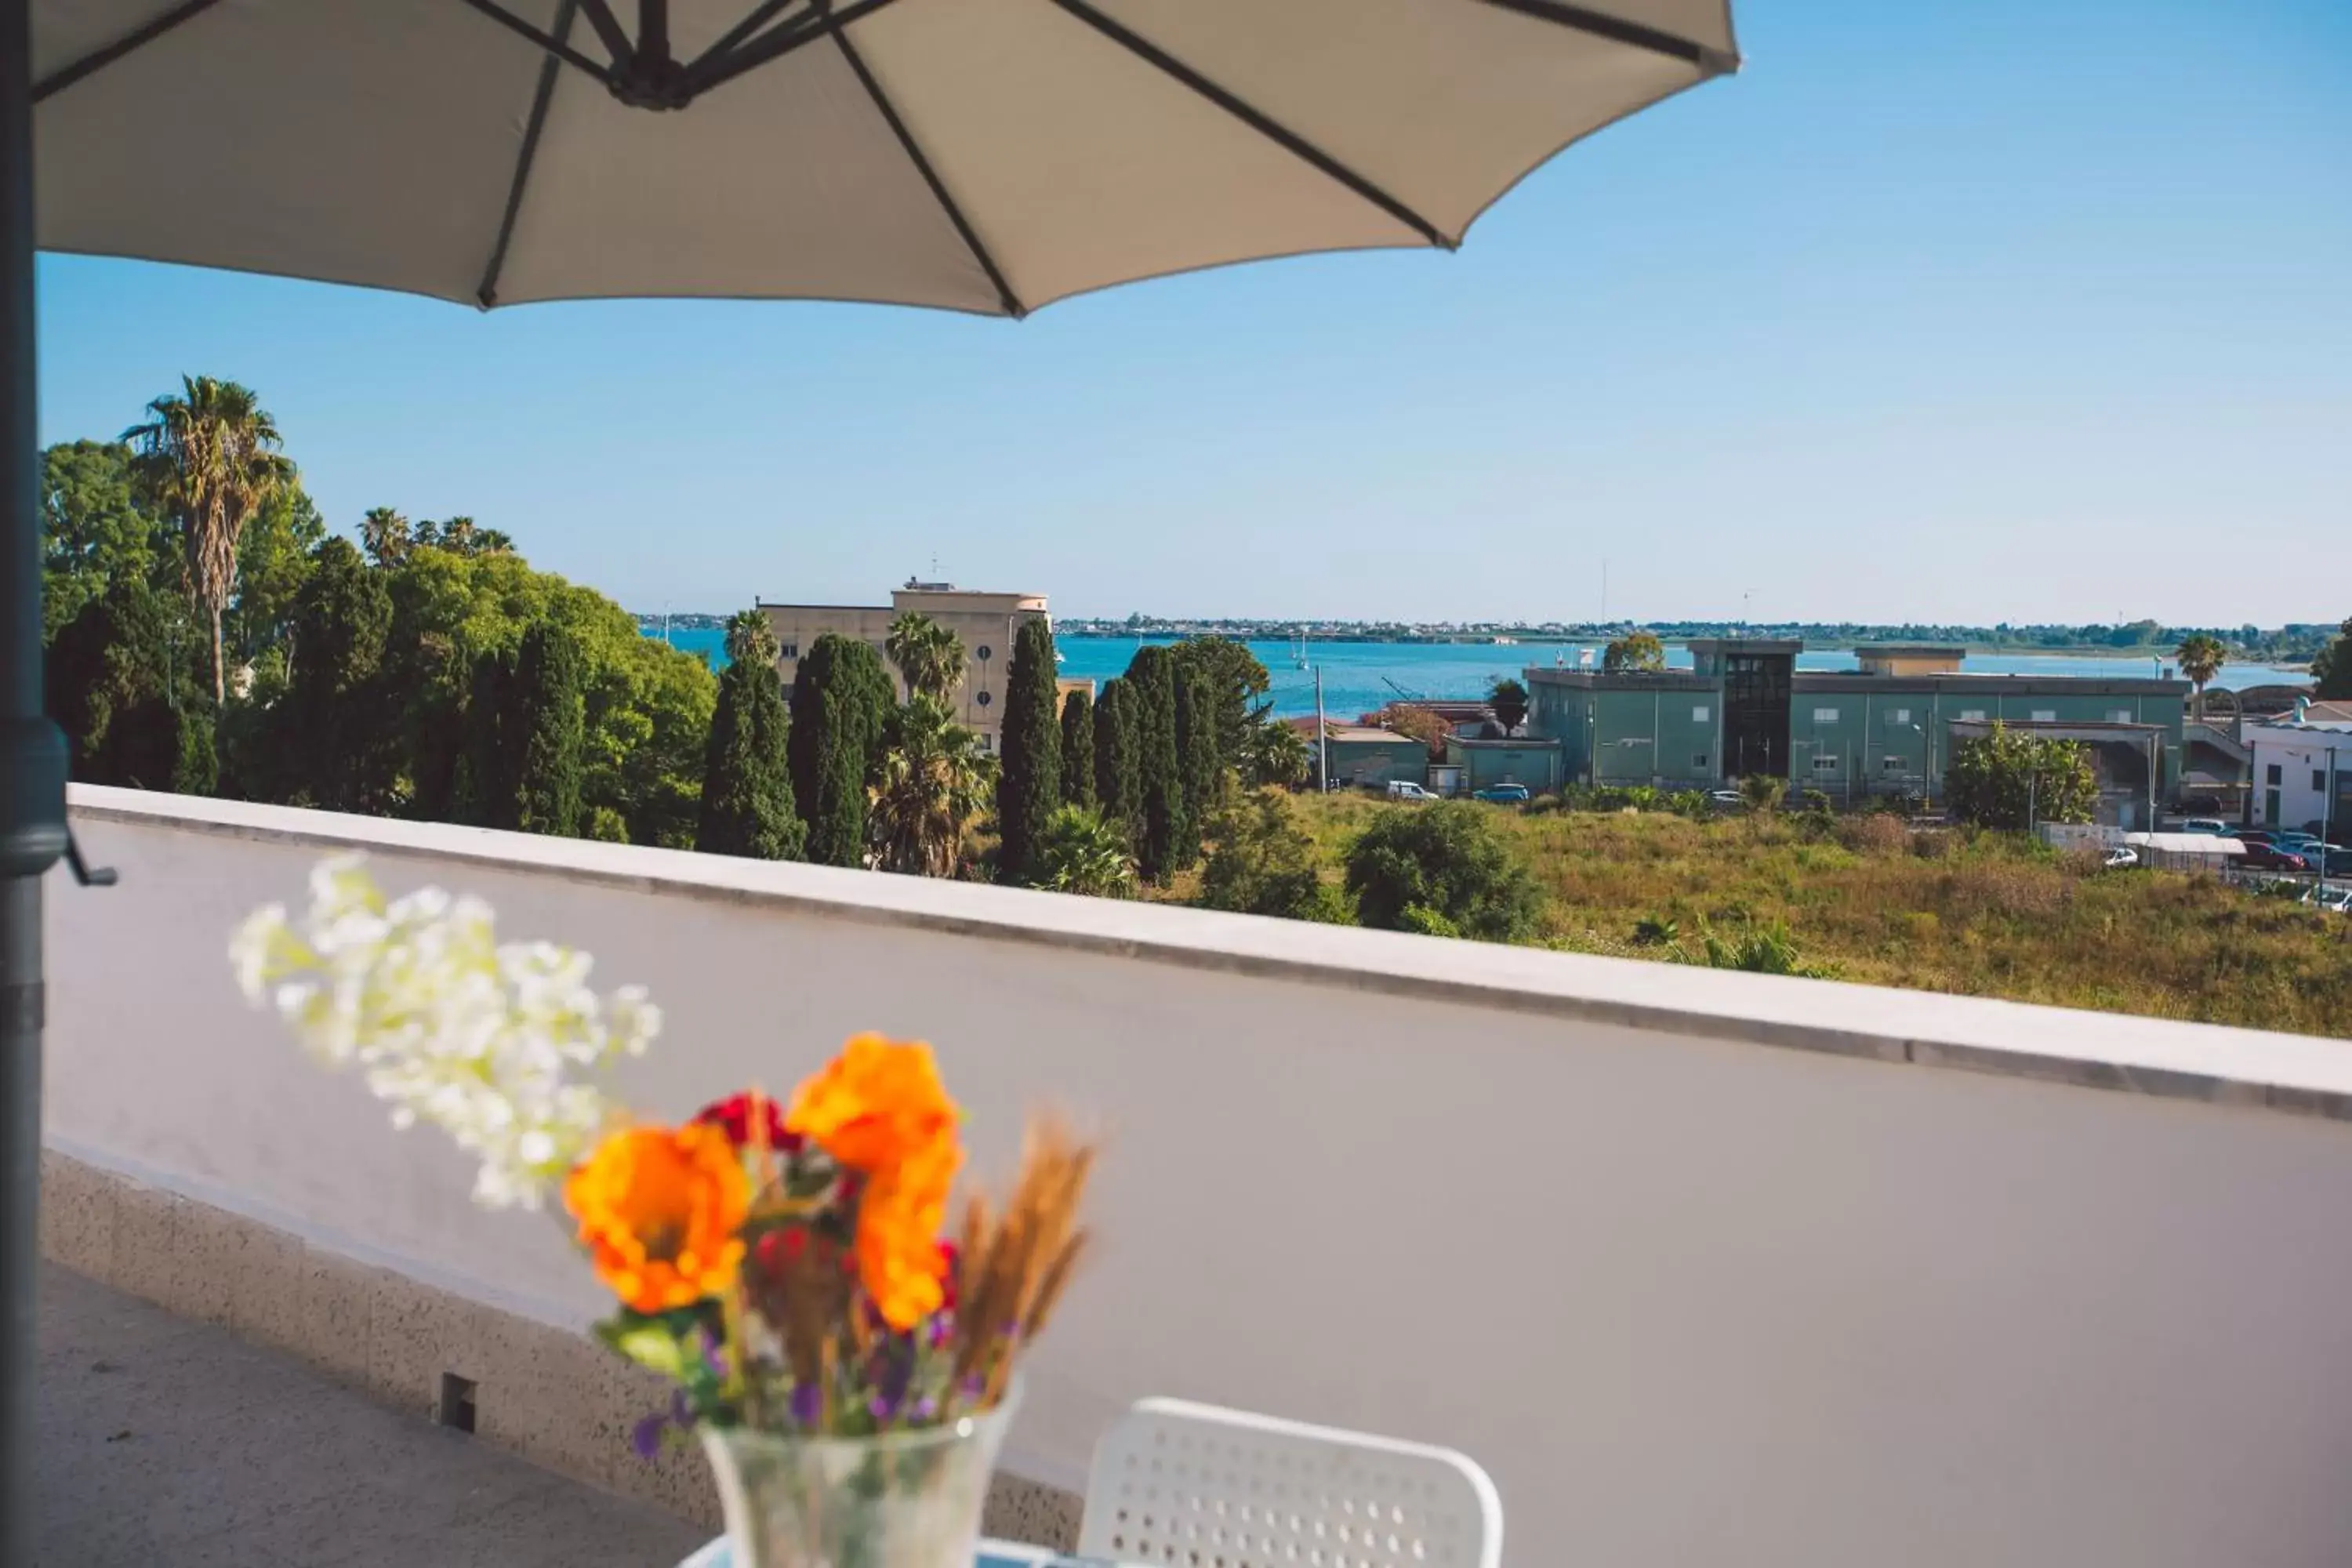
[1402, 789]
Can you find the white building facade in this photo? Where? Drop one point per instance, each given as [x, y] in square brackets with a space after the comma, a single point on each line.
[2302, 775]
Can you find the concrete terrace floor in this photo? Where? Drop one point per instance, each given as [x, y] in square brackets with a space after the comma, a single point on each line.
[165, 1442]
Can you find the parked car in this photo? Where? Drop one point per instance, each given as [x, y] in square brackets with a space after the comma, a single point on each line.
[2213, 825]
[1404, 789]
[2337, 896]
[2120, 858]
[1729, 799]
[1502, 792]
[2333, 859]
[2263, 856]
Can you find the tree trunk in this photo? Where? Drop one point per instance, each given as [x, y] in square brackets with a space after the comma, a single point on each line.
[220, 679]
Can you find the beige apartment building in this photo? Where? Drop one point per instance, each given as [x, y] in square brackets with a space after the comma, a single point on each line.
[986, 622]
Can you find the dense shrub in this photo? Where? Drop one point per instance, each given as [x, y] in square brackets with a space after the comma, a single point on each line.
[1445, 859]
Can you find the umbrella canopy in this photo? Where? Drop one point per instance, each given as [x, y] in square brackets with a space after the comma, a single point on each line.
[985, 155]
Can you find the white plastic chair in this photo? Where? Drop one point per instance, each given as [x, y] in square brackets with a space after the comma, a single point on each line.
[1197, 1486]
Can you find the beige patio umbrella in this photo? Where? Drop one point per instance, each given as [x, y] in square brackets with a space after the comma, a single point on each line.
[986, 155]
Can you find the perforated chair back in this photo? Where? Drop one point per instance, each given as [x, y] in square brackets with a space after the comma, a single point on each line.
[1197, 1486]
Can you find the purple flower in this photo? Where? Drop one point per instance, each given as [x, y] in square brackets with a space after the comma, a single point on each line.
[880, 1408]
[645, 1436]
[926, 1408]
[806, 1407]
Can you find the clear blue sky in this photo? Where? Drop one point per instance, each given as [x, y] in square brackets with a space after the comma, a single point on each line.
[1942, 310]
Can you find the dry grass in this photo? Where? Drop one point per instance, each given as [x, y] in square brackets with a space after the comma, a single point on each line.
[1988, 915]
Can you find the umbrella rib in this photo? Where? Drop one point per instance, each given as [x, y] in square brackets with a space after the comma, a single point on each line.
[615, 37]
[549, 69]
[757, 18]
[1011, 301]
[98, 59]
[708, 72]
[553, 46]
[1617, 30]
[1265, 125]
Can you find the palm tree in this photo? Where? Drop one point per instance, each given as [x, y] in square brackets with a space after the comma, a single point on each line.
[935, 783]
[460, 536]
[384, 534]
[749, 639]
[2201, 656]
[931, 657]
[210, 455]
[1080, 853]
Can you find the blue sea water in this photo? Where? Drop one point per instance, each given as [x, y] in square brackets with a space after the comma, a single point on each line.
[1362, 677]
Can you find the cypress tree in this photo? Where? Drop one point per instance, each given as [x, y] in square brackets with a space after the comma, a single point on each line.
[327, 741]
[841, 700]
[1118, 784]
[747, 785]
[1197, 760]
[1078, 749]
[1029, 785]
[554, 730]
[1151, 675]
[132, 714]
[528, 726]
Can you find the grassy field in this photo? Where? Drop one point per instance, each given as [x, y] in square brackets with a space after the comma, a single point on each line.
[1871, 901]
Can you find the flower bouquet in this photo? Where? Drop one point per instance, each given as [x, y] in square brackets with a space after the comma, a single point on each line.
[849, 1368]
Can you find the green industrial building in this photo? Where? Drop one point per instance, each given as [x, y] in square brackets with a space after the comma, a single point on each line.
[1886, 728]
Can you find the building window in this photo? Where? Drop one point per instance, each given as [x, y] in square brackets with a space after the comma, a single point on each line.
[1698, 760]
[2120, 715]
[2045, 716]
[1825, 715]
[1892, 765]
[1971, 715]
[1699, 714]
[2319, 779]
[1825, 761]
[983, 699]
[2273, 774]
[789, 650]
[1899, 716]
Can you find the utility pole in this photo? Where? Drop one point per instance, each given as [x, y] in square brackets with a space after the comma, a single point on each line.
[1322, 740]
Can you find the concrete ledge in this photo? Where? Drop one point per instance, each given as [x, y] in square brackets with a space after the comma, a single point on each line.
[2293, 1074]
[550, 1395]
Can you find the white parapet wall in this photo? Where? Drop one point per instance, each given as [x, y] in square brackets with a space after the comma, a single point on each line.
[1703, 1267]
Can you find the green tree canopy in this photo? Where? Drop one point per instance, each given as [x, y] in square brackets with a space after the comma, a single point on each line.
[2007, 778]
[1508, 698]
[527, 725]
[386, 536]
[1198, 764]
[2201, 656]
[1078, 852]
[1264, 864]
[1275, 754]
[1237, 684]
[932, 786]
[2331, 671]
[1078, 749]
[274, 558]
[931, 657]
[96, 531]
[120, 684]
[747, 781]
[842, 703]
[1444, 860]
[322, 741]
[1118, 760]
[1150, 680]
[1030, 785]
[209, 456]
[1636, 650]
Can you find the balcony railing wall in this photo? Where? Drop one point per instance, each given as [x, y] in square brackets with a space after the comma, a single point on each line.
[1705, 1268]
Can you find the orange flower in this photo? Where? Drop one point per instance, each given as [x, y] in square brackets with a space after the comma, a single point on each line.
[879, 1109]
[874, 1105]
[898, 1258]
[659, 1212]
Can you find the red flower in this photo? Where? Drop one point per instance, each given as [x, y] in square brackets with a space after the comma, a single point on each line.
[950, 1277]
[734, 1114]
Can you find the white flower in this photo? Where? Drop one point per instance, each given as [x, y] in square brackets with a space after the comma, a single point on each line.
[446, 1025]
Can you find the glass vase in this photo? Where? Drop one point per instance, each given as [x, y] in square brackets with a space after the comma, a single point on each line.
[900, 1499]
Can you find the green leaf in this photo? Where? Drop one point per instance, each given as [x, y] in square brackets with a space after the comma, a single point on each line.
[652, 1343]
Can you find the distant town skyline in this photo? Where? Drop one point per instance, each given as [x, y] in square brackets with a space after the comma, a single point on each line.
[1966, 311]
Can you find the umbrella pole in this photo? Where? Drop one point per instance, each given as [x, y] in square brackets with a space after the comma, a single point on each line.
[32, 793]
